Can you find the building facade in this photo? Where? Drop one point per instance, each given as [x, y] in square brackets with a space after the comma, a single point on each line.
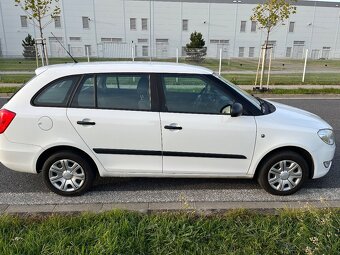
[162, 28]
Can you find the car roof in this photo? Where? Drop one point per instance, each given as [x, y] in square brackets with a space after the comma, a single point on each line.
[136, 67]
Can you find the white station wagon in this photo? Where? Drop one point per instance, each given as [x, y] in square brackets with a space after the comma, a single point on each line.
[73, 122]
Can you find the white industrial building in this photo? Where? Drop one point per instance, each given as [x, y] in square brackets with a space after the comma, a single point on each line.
[160, 28]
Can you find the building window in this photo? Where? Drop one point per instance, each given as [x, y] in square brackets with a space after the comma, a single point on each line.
[23, 20]
[253, 26]
[132, 23]
[185, 25]
[115, 40]
[162, 40]
[288, 52]
[144, 24]
[142, 40]
[241, 52]
[145, 50]
[86, 24]
[57, 22]
[291, 27]
[75, 39]
[243, 26]
[219, 41]
[251, 52]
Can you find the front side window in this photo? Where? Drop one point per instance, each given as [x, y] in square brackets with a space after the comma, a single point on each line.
[57, 93]
[194, 94]
[114, 91]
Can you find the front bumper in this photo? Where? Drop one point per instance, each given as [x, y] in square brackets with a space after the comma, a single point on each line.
[324, 154]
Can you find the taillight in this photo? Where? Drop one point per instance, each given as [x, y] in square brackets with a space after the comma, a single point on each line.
[6, 118]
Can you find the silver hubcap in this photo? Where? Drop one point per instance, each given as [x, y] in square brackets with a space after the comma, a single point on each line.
[66, 175]
[284, 175]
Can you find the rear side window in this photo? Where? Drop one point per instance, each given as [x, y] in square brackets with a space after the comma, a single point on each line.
[57, 93]
[114, 91]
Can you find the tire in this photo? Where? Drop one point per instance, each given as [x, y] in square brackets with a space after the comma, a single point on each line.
[68, 174]
[286, 182]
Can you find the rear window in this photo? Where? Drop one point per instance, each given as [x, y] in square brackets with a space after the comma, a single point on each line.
[57, 93]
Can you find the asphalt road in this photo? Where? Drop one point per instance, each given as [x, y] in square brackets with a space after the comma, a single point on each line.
[20, 183]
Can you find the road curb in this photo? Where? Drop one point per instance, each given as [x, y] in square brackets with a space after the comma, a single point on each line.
[163, 206]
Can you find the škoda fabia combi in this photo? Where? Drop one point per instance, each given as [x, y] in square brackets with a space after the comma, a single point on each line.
[74, 122]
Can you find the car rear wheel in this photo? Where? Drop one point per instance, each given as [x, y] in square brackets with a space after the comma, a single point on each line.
[68, 174]
[283, 173]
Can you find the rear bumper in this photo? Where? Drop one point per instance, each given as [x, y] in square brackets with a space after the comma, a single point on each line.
[18, 157]
[325, 154]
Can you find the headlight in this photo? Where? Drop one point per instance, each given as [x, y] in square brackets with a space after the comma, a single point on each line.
[327, 136]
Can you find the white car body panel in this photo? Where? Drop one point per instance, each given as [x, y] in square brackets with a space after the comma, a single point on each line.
[121, 130]
[292, 127]
[210, 134]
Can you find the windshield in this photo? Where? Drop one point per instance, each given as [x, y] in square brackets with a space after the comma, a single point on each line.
[252, 99]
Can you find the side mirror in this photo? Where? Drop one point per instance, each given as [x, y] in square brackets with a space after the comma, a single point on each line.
[236, 110]
[233, 110]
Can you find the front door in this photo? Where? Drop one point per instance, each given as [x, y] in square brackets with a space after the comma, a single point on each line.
[197, 138]
[112, 113]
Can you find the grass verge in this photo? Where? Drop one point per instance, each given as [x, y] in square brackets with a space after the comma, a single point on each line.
[300, 91]
[15, 78]
[237, 232]
[238, 79]
[272, 91]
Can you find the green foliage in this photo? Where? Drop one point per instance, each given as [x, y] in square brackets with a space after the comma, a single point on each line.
[196, 40]
[38, 9]
[272, 13]
[195, 50]
[29, 47]
[117, 232]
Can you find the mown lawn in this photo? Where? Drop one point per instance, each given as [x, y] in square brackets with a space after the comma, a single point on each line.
[237, 232]
[234, 64]
[238, 79]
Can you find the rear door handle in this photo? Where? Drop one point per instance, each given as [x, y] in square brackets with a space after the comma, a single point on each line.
[173, 126]
[86, 123]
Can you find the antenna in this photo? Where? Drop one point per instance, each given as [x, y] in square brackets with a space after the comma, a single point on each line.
[75, 61]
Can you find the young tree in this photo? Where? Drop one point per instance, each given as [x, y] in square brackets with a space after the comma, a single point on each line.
[195, 49]
[37, 11]
[271, 14]
[29, 47]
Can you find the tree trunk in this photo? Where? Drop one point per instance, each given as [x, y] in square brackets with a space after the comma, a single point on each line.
[265, 54]
[42, 37]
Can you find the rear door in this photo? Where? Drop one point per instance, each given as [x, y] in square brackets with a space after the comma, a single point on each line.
[113, 115]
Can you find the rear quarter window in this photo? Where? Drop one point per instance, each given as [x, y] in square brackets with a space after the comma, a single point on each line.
[57, 93]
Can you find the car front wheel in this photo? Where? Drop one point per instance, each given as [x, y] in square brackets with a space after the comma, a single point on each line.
[283, 173]
[67, 174]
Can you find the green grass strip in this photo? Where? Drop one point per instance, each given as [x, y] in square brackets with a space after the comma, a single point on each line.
[237, 232]
[271, 91]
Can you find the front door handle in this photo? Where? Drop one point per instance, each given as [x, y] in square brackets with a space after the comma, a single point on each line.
[173, 126]
[86, 123]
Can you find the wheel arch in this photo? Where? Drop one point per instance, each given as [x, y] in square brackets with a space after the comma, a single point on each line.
[305, 154]
[47, 153]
